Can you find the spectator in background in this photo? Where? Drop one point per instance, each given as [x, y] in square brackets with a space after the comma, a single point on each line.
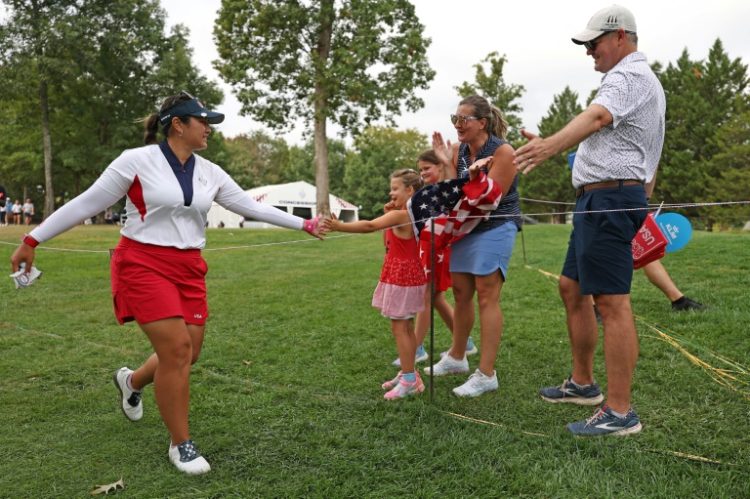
[8, 212]
[28, 211]
[17, 208]
[3, 201]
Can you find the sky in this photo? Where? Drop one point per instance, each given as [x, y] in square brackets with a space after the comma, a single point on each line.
[533, 35]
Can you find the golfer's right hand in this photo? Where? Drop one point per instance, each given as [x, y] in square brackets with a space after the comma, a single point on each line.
[23, 254]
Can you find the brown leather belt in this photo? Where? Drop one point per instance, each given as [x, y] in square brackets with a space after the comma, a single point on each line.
[607, 184]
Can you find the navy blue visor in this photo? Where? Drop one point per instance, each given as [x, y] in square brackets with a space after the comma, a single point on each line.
[192, 107]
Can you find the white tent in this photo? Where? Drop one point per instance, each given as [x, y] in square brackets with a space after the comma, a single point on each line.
[297, 198]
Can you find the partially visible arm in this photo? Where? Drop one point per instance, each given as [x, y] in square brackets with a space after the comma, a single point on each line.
[503, 170]
[106, 191]
[233, 198]
[390, 219]
[539, 149]
[651, 184]
[447, 153]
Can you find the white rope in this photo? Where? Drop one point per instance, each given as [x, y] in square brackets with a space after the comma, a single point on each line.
[425, 220]
[72, 250]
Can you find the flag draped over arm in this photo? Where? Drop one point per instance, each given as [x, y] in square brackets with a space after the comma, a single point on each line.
[457, 205]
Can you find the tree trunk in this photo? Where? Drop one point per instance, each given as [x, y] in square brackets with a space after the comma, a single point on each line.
[49, 194]
[320, 139]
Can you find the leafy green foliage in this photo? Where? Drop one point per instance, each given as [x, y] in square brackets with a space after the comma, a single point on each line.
[702, 98]
[490, 84]
[351, 62]
[256, 159]
[104, 66]
[378, 153]
[268, 52]
[731, 170]
[554, 184]
[301, 165]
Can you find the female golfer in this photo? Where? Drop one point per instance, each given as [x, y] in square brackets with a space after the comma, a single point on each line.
[158, 274]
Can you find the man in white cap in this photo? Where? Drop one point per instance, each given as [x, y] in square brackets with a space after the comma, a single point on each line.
[620, 137]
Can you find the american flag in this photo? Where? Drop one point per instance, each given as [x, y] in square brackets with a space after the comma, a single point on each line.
[457, 205]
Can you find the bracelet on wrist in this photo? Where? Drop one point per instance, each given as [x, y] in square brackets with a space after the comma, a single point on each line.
[27, 239]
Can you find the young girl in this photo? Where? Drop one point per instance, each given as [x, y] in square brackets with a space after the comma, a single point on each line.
[432, 172]
[400, 291]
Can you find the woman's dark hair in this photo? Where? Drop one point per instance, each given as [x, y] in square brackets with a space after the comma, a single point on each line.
[429, 156]
[496, 124]
[151, 122]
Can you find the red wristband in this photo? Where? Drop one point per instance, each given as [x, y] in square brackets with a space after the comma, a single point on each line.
[27, 239]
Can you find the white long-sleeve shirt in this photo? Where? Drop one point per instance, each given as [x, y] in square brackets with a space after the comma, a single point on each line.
[155, 203]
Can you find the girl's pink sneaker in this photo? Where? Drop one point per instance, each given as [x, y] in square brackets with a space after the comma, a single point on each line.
[391, 383]
[405, 389]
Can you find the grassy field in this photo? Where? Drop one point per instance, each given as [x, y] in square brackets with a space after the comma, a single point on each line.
[286, 399]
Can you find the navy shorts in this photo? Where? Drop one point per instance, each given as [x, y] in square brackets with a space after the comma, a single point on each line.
[599, 255]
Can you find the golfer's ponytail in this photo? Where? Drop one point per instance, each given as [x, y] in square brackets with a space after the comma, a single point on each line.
[151, 128]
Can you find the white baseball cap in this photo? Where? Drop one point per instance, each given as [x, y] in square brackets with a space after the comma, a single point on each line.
[607, 19]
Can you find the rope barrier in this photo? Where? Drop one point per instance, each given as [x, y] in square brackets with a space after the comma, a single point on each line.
[425, 220]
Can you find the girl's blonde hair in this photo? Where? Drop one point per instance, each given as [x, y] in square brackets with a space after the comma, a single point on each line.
[409, 177]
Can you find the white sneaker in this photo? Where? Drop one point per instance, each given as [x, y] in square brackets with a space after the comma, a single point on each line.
[477, 384]
[130, 401]
[420, 356]
[448, 365]
[471, 348]
[187, 459]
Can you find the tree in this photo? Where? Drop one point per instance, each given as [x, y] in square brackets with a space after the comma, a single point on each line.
[256, 159]
[731, 167]
[92, 68]
[702, 98]
[379, 152]
[301, 165]
[490, 84]
[555, 183]
[33, 42]
[351, 62]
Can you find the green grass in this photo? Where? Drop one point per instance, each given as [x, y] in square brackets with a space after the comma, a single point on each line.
[286, 398]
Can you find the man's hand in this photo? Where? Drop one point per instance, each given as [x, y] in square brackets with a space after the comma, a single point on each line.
[531, 154]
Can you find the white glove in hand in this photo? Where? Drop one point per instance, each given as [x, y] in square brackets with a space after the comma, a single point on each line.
[22, 279]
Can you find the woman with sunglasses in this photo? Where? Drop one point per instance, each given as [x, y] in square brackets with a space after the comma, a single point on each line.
[158, 273]
[479, 261]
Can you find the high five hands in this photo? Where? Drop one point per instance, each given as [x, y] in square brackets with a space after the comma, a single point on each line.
[531, 154]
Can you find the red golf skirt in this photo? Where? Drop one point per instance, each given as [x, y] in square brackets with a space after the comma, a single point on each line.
[152, 282]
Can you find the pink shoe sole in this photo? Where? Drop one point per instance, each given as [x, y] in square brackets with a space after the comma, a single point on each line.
[403, 390]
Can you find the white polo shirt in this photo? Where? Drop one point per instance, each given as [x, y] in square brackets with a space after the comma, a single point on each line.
[630, 147]
[155, 202]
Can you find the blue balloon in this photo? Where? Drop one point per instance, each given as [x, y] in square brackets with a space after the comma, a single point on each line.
[676, 229]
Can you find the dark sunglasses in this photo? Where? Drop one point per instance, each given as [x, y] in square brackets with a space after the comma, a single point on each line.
[591, 45]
